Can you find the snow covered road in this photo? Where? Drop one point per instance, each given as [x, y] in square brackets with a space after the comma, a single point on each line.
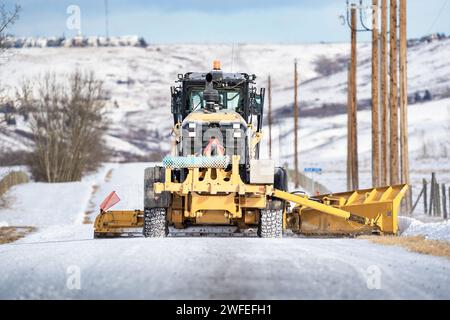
[61, 260]
[219, 268]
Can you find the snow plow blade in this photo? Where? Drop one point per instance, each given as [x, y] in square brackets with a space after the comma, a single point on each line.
[348, 213]
[113, 224]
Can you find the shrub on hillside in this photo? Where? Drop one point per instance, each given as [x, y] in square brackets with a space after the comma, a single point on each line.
[67, 119]
[326, 66]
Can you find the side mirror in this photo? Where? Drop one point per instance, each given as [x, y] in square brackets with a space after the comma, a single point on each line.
[176, 100]
[257, 101]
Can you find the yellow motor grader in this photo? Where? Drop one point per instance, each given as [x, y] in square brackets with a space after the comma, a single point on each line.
[215, 179]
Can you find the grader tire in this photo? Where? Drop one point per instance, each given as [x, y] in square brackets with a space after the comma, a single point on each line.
[152, 199]
[155, 223]
[271, 223]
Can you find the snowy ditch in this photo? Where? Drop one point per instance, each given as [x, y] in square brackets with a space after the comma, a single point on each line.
[430, 230]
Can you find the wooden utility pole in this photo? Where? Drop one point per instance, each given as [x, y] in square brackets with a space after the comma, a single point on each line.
[394, 96]
[349, 129]
[404, 150]
[384, 167]
[352, 108]
[297, 178]
[375, 99]
[269, 116]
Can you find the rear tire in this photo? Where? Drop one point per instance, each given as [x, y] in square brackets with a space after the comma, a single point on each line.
[271, 223]
[155, 223]
[152, 199]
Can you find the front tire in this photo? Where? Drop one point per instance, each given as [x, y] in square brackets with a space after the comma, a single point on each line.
[271, 223]
[155, 223]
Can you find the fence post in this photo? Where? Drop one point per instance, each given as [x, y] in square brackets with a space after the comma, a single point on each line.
[425, 208]
[438, 200]
[432, 207]
[417, 201]
[444, 201]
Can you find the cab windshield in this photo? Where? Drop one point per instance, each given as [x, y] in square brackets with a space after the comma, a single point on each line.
[229, 99]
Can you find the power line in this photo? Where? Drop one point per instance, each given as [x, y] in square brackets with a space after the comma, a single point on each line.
[363, 15]
[438, 16]
[232, 56]
[359, 7]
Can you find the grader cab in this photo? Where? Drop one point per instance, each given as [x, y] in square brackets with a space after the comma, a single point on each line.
[215, 179]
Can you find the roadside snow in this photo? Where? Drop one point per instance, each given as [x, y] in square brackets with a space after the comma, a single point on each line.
[43, 204]
[7, 170]
[58, 210]
[430, 230]
[59, 233]
[128, 181]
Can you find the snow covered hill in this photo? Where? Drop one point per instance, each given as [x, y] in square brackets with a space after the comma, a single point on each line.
[138, 80]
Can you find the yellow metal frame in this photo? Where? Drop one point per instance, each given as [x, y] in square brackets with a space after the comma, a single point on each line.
[378, 206]
[199, 204]
[117, 222]
[304, 201]
[215, 189]
[212, 181]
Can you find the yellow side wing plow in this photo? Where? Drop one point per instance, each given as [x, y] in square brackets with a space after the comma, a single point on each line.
[347, 213]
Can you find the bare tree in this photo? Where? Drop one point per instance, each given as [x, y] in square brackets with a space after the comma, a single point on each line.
[68, 123]
[7, 19]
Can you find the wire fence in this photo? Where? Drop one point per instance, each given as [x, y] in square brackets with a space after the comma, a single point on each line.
[434, 198]
[311, 186]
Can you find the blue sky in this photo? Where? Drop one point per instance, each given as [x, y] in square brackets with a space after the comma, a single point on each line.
[169, 21]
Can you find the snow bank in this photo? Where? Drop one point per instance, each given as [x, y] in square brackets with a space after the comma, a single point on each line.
[43, 204]
[128, 182]
[430, 230]
[4, 171]
[59, 210]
